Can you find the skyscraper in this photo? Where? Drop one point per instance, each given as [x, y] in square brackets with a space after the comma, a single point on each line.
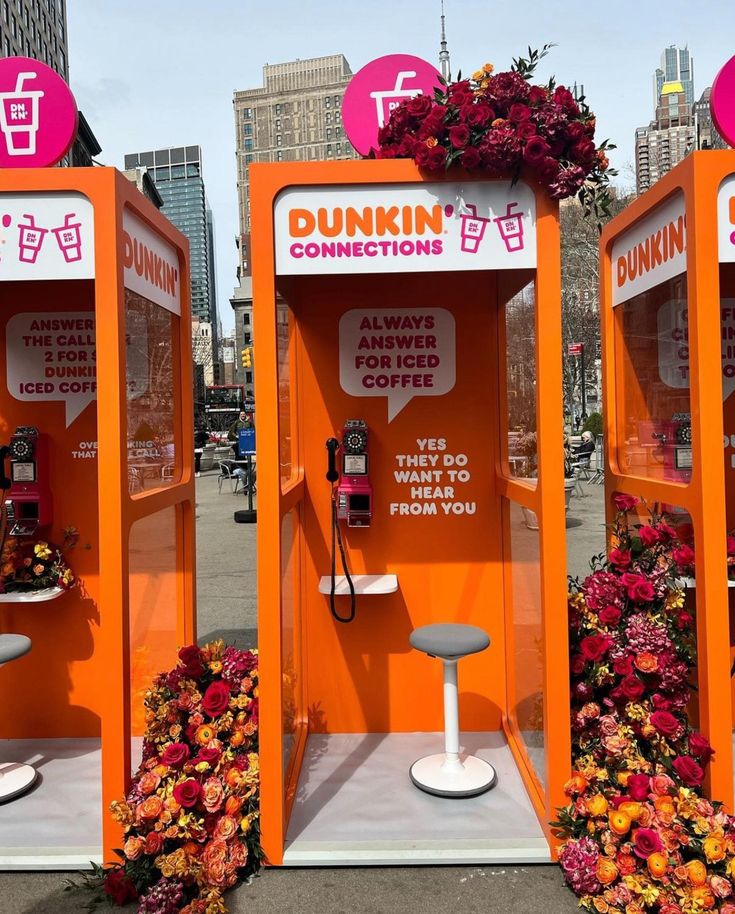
[177, 175]
[29, 28]
[677, 65]
[296, 115]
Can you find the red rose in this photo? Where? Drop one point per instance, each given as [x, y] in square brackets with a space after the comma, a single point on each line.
[209, 755]
[175, 754]
[564, 98]
[666, 724]
[683, 556]
[638, 588]
[661, 703]
[632, 688]
[548, 170]
[537, 95]
[471, 158]
[119, 887]
[216, 699]
[731, 545]
[419, 106]
[623, 666]
[519, 112]
[649, 535]
[191, 661]
[421, 155]
[639, 787]
[646, 842]
[187, 793]
[477, 115]
[583, 152]
[684, 620]
[526, 129]
[610, 616]
[620, 558]
[576, 664]
[437, 158]
[536, 150]
[459, 136]
[594, 647]
[624, 502]
[153, 843]
[699, 746]
[690, 773]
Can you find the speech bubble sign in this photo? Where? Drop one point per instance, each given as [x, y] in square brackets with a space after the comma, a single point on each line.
[673, 344]
[398, 353]
[52, 356]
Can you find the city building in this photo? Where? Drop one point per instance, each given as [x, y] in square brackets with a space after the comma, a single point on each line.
[177, 174]
[242, 305]
[707, 134]
[143, 181]
[677, 65]
[296, 115]
[230, 358]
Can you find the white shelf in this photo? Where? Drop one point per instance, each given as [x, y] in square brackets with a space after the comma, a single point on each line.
[365, 584]
[691, 583]
[32, 596]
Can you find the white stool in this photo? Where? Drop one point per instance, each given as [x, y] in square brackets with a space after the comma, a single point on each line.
[447, 774]
[15, 778]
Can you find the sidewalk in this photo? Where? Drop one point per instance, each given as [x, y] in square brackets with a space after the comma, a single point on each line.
[227, 609]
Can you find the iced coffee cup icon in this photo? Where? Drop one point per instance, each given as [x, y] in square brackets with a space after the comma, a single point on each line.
[510, 227]
[69, 238]
[31, 239]
[19, 117]
[388, 99]
[472, 228]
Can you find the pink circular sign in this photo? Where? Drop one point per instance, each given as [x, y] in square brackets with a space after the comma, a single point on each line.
[38, 114]
[722, 102]
[379, 87]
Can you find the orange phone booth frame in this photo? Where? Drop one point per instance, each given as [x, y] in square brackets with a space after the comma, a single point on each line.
[343, 252]
[95, 292]
[667, 297]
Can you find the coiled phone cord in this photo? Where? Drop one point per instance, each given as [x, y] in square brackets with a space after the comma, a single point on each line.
[336, 532]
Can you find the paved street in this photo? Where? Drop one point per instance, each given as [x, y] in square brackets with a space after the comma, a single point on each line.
[227, 609]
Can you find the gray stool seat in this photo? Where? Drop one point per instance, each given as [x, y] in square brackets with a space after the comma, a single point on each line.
[450, 641]
[13, 646]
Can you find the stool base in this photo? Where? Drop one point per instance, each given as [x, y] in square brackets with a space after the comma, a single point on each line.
[444, 777]
[15, 779]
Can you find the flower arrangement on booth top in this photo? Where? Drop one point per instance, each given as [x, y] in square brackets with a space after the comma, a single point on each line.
[640, 836]
[499, 123]
[190, 818]
[28, 565]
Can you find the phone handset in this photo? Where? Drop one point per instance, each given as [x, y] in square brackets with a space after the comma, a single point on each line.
[333, 477]
[332, 471]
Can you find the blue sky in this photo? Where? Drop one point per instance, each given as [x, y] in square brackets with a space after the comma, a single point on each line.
[162, 73]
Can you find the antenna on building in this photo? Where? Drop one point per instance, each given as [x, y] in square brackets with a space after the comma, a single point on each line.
[443, 52]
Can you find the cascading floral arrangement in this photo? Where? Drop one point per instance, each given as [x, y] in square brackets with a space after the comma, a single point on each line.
[499, 123]
[191, 816]
[28, 565]
[640, 836]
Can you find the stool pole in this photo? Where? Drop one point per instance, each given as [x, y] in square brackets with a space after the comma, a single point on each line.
[451, 711]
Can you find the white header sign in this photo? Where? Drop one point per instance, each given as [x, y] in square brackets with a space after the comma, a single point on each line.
[46, 236]
[726, 219]
[151, 264]
[651, 251]
[398, 353]
[405, 228]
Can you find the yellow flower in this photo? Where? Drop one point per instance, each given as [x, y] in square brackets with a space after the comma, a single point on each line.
[216, 666]
[714, 849]
[42, 550]
[596, 805]
[478, 75]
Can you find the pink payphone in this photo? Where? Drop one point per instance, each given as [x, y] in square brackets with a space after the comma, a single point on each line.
[28, 504]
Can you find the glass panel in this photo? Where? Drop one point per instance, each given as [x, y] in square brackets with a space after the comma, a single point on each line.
[652, 364]
[519, 315]
[283, 330]
[527, 659]
[153, 610]
[150, 333]
[292, 710]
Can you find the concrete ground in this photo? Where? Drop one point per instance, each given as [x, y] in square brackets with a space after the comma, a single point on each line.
[227, 609]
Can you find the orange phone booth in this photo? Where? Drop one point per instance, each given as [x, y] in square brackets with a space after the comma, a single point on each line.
[668, 315]
[411, 509]
[96, 425]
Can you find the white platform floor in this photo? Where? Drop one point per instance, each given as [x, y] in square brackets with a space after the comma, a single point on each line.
[58, 823]
[356, 804]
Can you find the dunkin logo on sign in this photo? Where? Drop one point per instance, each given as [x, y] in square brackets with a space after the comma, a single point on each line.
[151, 264]
[651, 252]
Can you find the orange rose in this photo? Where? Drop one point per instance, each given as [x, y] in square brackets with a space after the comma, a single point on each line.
[714, 849]
[658, 863]
[150, 808]
[624, 777]
[620, 821]
[233, 805]
[191, 849]
[607, 872]
[664, 805]
[697, 872]
[133, 848]
[153, 843]
[632, 809]
[226, 828]
[148, 783]
[596, 805]
[646, 663]
[703, 896]
[237, 738]
[214, 872]
[212, 794]
[576, 784]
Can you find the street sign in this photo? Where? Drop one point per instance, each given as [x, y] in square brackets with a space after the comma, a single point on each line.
[575, 348]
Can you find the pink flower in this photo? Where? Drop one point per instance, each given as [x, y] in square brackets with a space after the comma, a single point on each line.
[721, 887]
[661, 785]
[646, 842]
[624, 502]
[639, 786]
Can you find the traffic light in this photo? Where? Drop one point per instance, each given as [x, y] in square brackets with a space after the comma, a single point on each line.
[247, 357]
